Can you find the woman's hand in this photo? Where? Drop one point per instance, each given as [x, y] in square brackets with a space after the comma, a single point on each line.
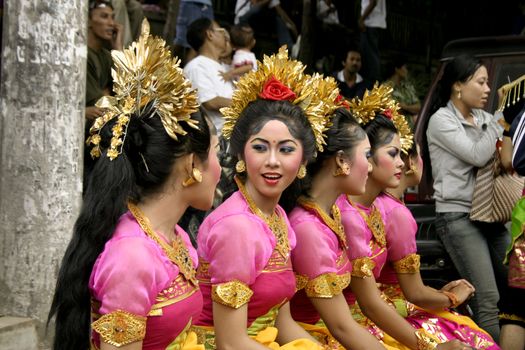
[461, 288]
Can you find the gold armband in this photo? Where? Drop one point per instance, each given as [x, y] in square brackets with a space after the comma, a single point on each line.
[409, 264]
[362, 267]
[120, 328]
[327, 285]
[233, 294]
[425, 341]
[300, 281]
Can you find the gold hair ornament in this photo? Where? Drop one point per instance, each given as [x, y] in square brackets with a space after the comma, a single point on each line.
[314, 94]
[147, 82]
[513, 92]
[379, 100]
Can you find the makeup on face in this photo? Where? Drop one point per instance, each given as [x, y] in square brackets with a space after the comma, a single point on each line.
[273, 157]
[359, 169]
[388, 164]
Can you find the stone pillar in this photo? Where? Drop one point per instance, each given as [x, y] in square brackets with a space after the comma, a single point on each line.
[42, 96]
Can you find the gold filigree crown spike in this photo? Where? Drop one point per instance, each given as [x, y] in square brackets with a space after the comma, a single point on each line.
[513, 92]
[147, 82]
[314, 94]
[379, 100]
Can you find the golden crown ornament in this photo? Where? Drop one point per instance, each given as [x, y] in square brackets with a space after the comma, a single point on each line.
[314, 94]
[380, 100]
[147, 82]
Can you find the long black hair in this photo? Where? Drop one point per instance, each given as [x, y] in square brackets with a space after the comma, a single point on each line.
[380, 131]
[344, 135]
[142, 169]
[460, 69]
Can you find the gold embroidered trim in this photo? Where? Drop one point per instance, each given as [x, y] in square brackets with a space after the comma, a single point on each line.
[327, 285]
[120, 328]
[275, 222]
[425, 340]
[178, 253]
[374, 221]
[233, 294]
[300, 281]
[333, 222]
[511, 317]
[409, 264]
[362, 267]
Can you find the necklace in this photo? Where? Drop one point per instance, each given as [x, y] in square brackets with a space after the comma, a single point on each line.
[334, 223]
[388, 194]
[374, 221]
[276, 223]
[177, 252]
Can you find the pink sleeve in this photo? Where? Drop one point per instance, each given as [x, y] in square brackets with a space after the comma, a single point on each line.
[355, 230]
[401, 229]
[237, 248]
[128, 275]
[315, 253]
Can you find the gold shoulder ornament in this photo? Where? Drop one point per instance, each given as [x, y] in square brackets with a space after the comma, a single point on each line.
[379, 100]
[317, 96]
[147, 82]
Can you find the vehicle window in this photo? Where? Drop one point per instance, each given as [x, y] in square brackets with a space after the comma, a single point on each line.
[504, 73]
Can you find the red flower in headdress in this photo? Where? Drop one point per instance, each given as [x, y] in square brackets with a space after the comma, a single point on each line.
[274, 90]
[387, 113]
[341, 101]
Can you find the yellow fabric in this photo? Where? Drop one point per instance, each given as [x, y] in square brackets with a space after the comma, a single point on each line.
[186, 340]
[322, 334]
[265, 337]
[190, 343]
[459, 319]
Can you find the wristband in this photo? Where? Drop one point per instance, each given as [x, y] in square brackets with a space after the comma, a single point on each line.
[454, 302]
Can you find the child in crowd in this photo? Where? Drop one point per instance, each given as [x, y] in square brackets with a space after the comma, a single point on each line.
[242, 41]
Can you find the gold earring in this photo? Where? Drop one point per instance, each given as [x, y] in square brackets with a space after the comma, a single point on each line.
[342, 170]
[240, 167]
[302, 172]
[459, 94]
[196, 176]
[410, 171]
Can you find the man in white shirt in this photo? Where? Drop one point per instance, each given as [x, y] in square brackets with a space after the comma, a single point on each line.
[205, 71]
[371, 23]
[350, 82]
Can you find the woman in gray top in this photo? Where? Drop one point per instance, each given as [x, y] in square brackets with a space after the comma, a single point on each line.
[461, 137]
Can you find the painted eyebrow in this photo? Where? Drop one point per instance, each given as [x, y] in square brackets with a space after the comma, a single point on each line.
[267, 142]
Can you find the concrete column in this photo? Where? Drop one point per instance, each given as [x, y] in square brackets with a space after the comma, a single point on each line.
[42, 95]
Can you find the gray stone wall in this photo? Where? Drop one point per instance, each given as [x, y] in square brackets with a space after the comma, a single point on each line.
[41, 143]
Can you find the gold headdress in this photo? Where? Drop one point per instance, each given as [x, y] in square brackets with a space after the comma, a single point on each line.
[513, 92]
[314, 94]
[145, 76]
[379, 100]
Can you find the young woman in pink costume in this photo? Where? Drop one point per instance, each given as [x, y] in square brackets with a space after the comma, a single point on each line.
[364, 227]
[244, 245]
[128, 274]
[319, 258]
[400, 278]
